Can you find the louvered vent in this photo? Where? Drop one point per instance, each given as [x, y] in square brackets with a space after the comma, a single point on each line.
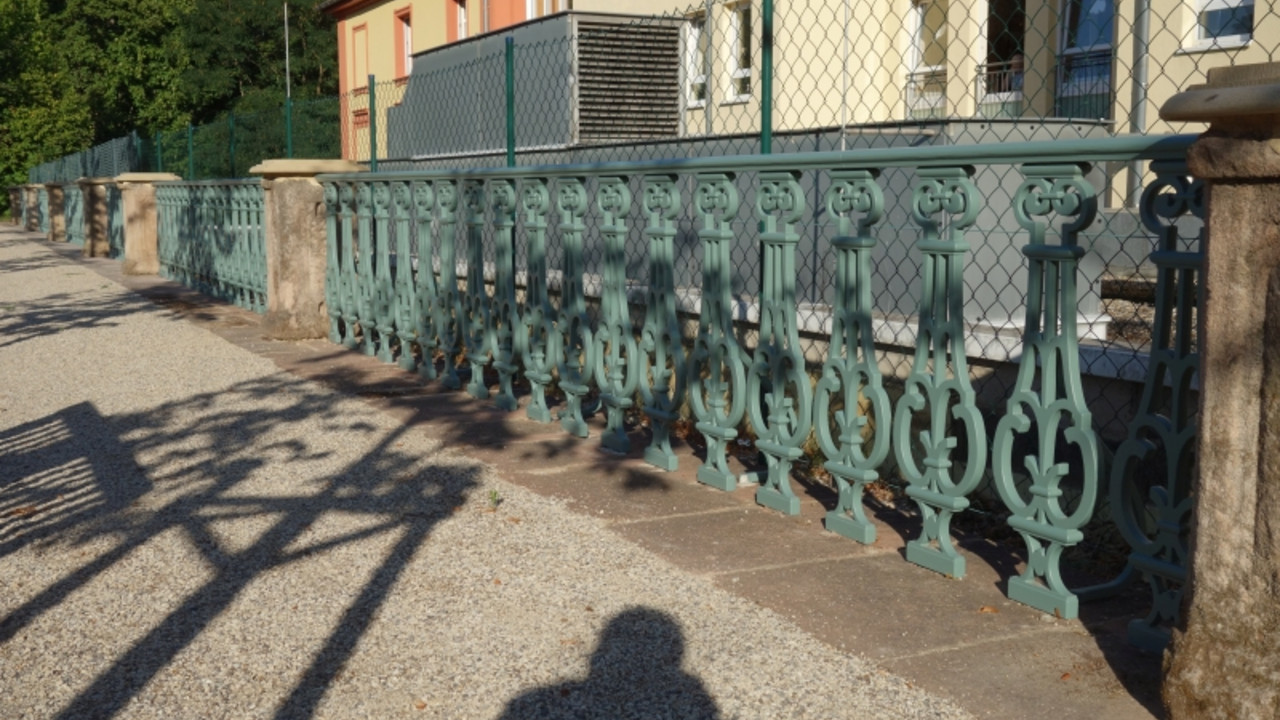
[628, 81]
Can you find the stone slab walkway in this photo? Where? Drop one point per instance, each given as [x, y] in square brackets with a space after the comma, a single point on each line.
[196, 522]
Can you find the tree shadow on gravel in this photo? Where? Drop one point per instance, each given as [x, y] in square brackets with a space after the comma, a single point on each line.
[74, 481]
[635, 672]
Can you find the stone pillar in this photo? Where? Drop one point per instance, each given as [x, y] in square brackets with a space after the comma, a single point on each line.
[1225, 662]
[296, 238]
[33, 207]
[94, 191]
[15, 204]
[57, 213]
[141, 221]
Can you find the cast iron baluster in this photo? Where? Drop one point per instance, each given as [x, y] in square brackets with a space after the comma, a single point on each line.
[851, 373]
[617, 366]
[347, 275]
[406, 301]
[502, 197]
[332, 296]
[383, 294]
[479, 336]
[1154, 516]
[233, 244]
[1048, 398]
[779, 398]
[425, 293]
[448, 309]
[662, 341]
[715, 351]
[573, 342]
[220, 200]
[538, 319]
[245, 266]
[364, 265]
[947, 398]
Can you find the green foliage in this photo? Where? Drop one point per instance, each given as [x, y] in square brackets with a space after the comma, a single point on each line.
[74, 73]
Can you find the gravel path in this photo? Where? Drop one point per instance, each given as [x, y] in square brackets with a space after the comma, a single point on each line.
[187, 532]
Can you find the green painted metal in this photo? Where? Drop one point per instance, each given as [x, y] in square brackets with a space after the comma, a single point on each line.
[1155, 517]
[779, 396]
[426, 293]
[1048, 399]
[73, 211]
[766, 78]
[478, 320]
[373, 124]
[1121, 148]
[617, 358]
[574, 343]
[851, 377]
[717, 375]
[288, 127]
[349, 276]
[115, 222]
[231, 144]
[191, 152]
[211, 237]
[538, 315]
[449, 312]
[510, 56]
[42, 202]
[404, 308]
[365, 287]
[332, 267]
[384, 289]
[504, 312]
[938, 386]
[661, 341]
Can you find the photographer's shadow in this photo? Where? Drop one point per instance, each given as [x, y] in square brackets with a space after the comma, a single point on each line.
[635, 673]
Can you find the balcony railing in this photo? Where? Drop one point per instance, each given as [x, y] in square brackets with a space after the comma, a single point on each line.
[585, 279]
[998, 88]
[926, 94]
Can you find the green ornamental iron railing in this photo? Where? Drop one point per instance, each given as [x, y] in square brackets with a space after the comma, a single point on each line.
[212, 238]
[73, 212]
[426, 269]
[115, 221]
[42, 222]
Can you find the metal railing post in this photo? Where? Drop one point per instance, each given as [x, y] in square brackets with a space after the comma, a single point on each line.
[766, 79]
[159, 150]
[511, 101]
[191, 152]
[231, 143]
[373, 124]
[288, 127]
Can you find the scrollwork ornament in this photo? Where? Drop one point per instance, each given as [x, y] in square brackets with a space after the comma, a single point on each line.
[851, 377]
[574, 342]
[1048, 399]
[662, 344]
[504, 313]
[938, 385]
[537, 317]
[617, 366]
[717, 372]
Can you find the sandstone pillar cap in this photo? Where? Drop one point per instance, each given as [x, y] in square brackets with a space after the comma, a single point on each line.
[278, 168]
[142, 177]
[1240, 92]
[95, 180]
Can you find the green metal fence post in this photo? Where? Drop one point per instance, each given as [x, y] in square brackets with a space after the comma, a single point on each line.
[766, 79]
[231, 143]
[159, 147]
[511, 101]
[191, 152]
[288, 127]
[373, 124]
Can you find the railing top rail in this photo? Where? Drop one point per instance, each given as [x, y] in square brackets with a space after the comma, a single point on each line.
[1120, 148]
[210, 183]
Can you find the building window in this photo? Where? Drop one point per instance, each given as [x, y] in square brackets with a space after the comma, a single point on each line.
[695, 61]
[1224, 22]
[1084, 67]
[404, 43]
[360, 119]
[459, 26]
[360, 57]
[739, 53]
[927, 78]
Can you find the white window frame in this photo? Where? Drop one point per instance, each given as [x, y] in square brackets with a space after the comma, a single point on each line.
[406, 35]
[461, 6]
[695, 61]
[916, 67]
[530, 9]
[736, 71]
[1200, 41]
